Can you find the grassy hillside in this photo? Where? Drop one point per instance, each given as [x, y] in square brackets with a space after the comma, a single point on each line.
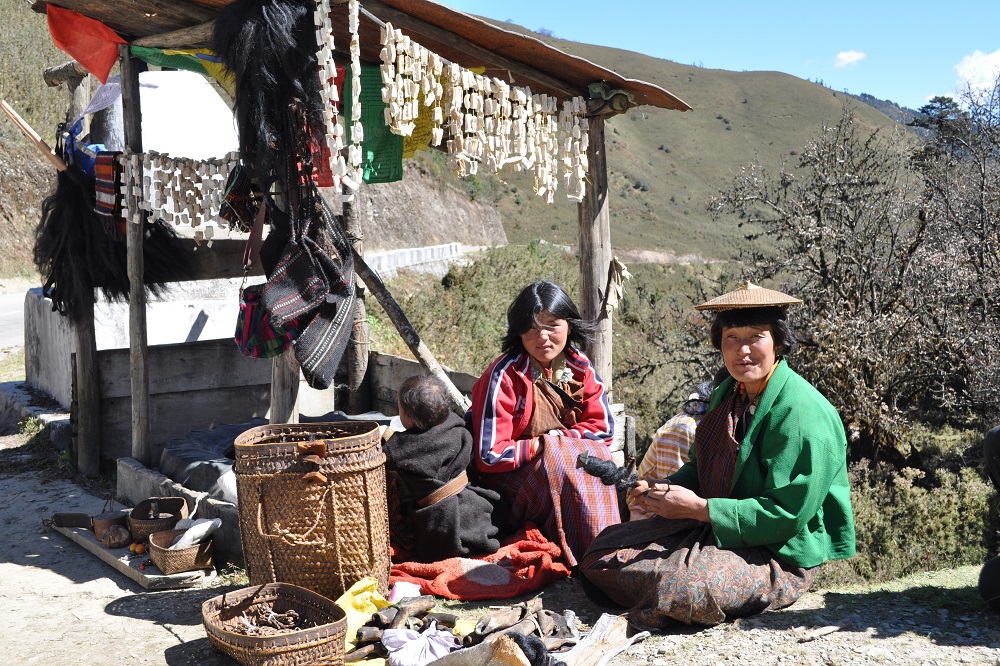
[25, 177]
[665, 165]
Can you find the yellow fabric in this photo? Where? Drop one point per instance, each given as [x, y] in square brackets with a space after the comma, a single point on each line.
[217, 70]
[667, 453]
[360, 603]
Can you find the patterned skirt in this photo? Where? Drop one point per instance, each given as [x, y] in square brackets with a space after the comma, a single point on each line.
[570, 506]
[670, 570]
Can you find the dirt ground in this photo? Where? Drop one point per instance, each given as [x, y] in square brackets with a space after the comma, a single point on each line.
[61, 605]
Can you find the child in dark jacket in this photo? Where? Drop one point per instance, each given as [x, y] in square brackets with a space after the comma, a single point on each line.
[451, 517]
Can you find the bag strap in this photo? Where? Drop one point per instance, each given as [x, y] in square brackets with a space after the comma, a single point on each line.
[251, 253]
[453, 487]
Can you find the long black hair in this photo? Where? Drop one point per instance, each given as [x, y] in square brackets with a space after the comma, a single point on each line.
[549, 297]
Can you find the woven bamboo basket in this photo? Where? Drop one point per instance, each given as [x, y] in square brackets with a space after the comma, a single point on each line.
[312, 505]
[198, 556]
[141, 522]
[320, 645]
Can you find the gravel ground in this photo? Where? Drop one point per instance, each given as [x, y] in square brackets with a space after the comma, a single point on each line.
[60, 604]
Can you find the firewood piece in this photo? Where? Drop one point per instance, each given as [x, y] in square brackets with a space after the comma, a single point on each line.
[364, 652]
[500, 618]
[818, 633]
[447, 620]
[411, 607]
[368, 634]
[384, 617]
[527, 626]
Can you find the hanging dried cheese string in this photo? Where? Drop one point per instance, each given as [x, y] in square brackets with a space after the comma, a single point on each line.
[327, 71]
[355, 153]
[177, 190]
[487, 121]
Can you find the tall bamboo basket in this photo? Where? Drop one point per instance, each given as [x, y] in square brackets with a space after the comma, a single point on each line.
[312, 505]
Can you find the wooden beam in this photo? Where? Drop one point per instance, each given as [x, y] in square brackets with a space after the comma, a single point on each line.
[198, 36]
[474, 51]
[33, 136]
[59, 74]
[284, 388]
[358, 385]
[595, 248]
[141, 448]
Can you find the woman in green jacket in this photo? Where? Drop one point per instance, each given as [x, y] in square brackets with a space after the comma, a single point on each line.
[764, 499]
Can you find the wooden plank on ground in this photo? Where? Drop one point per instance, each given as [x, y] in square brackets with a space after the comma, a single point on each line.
[151, 578]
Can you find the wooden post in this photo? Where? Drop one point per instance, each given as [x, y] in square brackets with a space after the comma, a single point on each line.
[284, 388]
[595, 248]
[358, 386]
[88, 388]
[77, 80]
[138, 361]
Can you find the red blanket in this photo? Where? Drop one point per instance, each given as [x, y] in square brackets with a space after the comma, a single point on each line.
[525, 563]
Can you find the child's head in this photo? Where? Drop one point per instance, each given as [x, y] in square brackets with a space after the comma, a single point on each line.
[423, 402]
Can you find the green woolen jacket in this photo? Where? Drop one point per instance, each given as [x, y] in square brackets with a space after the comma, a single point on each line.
[790, 492]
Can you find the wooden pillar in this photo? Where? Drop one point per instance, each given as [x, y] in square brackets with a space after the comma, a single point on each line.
[87, 396]
[358, 386]
[284, 388]
[595, 248]
[138, 360]
[77, 80]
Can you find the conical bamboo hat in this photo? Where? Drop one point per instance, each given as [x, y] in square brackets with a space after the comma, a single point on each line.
[749, 295]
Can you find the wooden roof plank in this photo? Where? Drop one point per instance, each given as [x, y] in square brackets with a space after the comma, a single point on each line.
[458, 37]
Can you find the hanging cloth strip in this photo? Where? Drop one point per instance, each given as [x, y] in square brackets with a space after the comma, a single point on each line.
[108, 196]
[90, 42]
[383, 151]
[202, 61]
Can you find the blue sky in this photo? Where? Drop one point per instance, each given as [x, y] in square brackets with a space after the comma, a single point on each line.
[905, 51]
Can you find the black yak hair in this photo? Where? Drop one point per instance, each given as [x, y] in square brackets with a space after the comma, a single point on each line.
[270, 47]
[74, 253]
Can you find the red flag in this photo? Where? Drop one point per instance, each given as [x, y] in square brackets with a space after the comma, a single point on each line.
[90, 42]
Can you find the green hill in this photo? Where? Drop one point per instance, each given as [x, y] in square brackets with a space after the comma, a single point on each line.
[664, 166]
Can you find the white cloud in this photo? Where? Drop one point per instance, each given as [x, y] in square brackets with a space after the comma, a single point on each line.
[978, 71]
[845, 58]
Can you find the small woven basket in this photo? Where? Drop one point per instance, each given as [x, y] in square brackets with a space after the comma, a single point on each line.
[142, 523]
[192, 558]
[320, 645]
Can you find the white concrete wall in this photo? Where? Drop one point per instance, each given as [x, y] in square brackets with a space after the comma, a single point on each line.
[433, 258]
[200, 310]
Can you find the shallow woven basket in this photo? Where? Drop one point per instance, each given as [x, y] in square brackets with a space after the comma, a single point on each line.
[322, 645]
[313, 505]
[192, 558]
[170, 510]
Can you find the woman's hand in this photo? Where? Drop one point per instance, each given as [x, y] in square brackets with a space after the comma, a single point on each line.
[669, 500]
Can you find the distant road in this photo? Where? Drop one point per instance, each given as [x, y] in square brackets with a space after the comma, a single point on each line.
[11, 319]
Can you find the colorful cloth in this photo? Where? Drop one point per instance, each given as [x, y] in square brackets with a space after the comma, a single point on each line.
[525, 563]
[679, 574]
[667, 453]
[503, 403]
[382, 160]
[570, 506]
[108, 196]
[202, 61]
[88, 41]
[790, 490]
